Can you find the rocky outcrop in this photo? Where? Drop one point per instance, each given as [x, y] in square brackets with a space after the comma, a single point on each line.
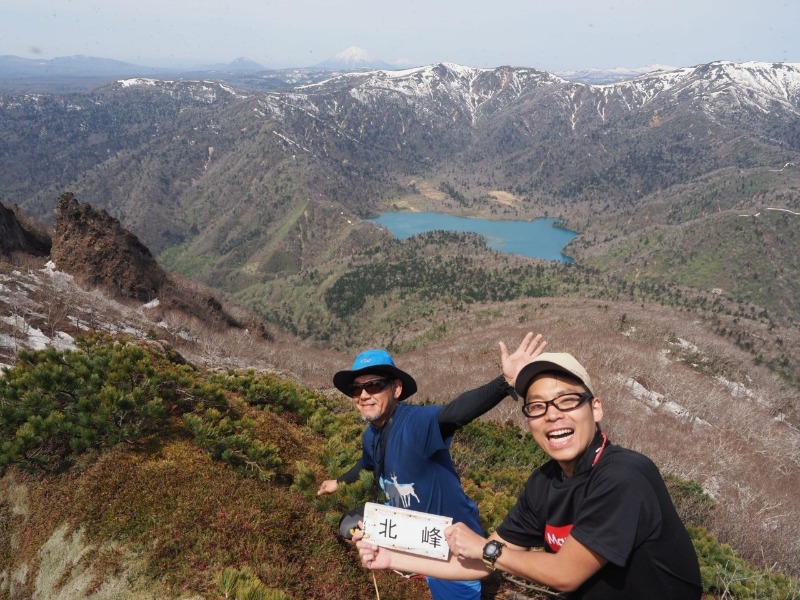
[93, 247]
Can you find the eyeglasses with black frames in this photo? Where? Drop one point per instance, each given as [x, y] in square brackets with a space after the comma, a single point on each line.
[376, 386]
[564, 403]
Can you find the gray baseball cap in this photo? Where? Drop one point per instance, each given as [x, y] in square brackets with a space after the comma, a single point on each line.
[551, 361]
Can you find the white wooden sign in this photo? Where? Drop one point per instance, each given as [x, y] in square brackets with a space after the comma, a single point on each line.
[406, 530]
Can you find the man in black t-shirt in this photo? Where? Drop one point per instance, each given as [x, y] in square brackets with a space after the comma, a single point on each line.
[601, 513]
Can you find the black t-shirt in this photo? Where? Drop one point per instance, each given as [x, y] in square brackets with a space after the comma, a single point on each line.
[618, 508]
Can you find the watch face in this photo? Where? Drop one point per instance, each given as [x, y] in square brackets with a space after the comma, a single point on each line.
[491, 549]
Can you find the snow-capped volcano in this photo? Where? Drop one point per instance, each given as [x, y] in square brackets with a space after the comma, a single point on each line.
[354, 59]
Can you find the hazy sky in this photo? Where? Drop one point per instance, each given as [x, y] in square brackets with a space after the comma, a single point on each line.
[547, 34]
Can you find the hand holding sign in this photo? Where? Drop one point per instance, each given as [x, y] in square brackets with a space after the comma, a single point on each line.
[406, 530]
[465, 543]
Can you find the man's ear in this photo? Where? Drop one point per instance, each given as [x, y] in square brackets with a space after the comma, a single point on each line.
[597, 409]
[398, 388]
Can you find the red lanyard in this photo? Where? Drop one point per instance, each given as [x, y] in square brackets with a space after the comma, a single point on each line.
[599, 451]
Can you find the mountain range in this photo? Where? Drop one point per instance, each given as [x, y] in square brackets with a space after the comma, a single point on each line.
[16, 69]
[93, 71]
[246, 188]
[203, 168]
[602, 76]
[679, 183]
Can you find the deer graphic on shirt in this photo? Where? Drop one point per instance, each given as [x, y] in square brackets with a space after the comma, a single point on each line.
[401, 491]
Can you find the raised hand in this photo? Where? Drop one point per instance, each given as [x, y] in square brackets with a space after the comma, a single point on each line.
[512, 364]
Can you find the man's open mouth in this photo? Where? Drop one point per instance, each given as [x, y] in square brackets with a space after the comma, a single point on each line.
[560, 434]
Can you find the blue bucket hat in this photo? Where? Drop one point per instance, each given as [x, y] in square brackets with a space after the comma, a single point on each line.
[374, 361]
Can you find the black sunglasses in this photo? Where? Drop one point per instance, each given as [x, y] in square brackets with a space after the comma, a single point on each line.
[376, 386]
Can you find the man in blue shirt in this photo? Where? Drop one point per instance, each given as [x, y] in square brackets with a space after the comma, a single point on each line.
[407, 447]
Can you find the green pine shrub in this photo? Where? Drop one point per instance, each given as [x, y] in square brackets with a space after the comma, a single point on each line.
[56, 405]
[726, 575]
[494, 460]
[268, 392]
[691, 501]
[231, 439]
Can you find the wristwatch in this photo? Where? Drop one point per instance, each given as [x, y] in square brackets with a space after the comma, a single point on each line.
[491, 552]
[506, 387]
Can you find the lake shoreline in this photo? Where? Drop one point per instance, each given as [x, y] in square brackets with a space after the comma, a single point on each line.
[543, 238]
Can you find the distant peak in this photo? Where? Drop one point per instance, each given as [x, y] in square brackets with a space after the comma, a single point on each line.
[243, 60]
[354, 53]
[354, 58]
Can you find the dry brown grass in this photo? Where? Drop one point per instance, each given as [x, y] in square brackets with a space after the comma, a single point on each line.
[173, 505]
[506, 198]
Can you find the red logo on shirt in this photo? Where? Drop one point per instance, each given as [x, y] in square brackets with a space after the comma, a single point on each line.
[555, 536]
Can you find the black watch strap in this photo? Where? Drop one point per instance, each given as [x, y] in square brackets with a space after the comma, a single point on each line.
[506, 387]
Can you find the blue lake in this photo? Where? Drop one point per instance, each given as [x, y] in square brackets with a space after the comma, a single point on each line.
[536, 239]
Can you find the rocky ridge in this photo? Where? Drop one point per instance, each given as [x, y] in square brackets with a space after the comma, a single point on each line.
[94, 249]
